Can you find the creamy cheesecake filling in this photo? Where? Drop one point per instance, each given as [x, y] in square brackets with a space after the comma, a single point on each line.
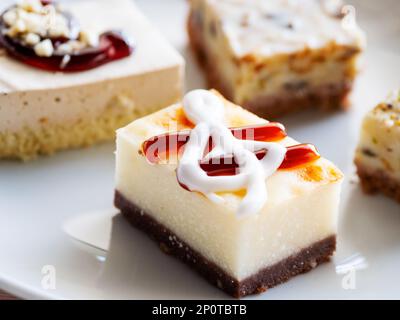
[137, 95]
[239, 248]
[301, 208]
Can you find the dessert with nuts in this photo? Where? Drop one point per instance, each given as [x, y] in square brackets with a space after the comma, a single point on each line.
[72, 74]
[231, 195]
[41, 34]
[277, 56]
[378, 153]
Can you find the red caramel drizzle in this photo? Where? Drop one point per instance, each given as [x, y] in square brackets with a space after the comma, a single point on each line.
[296, 156]
[161, 148]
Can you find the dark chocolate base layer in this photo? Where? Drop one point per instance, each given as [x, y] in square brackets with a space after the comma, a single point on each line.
[269, 277]
[329, 97]
[378, 181]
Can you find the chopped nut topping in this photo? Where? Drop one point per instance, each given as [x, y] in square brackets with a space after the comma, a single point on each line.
[19, 27]
[31, 5]
[90, 38]
[70, 47]
[66, 59]
[389, 111]
[44, 48]
[368, 153]
[10, 17]
[37, 25]
[32, 39]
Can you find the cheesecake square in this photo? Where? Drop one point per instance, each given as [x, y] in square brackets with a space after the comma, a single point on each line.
[378, 153]
[276, 57]
[43, 111]
[247, 219]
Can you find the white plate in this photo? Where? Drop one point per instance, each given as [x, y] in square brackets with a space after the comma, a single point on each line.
[37, 198]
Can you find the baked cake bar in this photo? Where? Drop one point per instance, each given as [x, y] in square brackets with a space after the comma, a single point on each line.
[50, 102]
[378, 153]
[277, 56]
[229, 194]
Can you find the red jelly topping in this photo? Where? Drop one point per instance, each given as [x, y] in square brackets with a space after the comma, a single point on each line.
[296, 156]
[162, 147]
[112, 46]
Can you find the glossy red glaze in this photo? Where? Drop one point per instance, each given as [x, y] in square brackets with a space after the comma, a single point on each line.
[296, 156]
[161, 148]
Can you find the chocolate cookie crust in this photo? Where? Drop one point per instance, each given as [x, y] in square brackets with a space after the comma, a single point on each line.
[302, 262]
[378, 181]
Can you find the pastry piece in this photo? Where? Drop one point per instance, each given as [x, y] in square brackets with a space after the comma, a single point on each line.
[71, 75]
[275, 57]
[247, 210]
[378, 153]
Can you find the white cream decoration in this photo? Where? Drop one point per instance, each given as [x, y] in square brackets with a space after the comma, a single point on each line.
[206, 110]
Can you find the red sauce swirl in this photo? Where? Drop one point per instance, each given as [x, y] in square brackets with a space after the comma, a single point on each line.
[161, 148]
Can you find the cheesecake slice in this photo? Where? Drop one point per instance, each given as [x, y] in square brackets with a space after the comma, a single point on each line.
[275, 57]
[228, 193]
[378, 153]
[67, 106]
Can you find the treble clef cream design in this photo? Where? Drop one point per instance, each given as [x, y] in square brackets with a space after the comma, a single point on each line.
[206, 111]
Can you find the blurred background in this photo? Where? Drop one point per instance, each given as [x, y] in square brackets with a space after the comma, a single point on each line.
[380, 19]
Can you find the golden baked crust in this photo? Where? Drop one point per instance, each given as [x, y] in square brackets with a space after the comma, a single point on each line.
[27, 144]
